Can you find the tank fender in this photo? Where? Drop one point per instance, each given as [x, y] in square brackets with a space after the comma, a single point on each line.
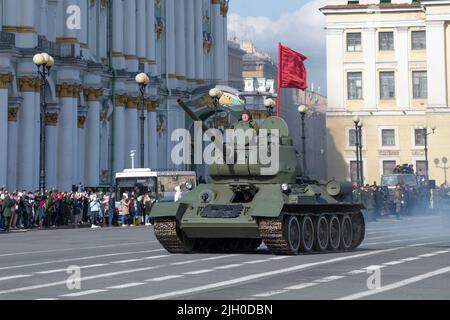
[268, 203]
[169, 210]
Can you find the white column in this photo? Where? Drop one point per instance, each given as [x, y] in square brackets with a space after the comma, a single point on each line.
[118, 35]
[12, 147]
[3, 135]
[190, 43]
[141, 29]
[119, 137]
[51, 156]
[146, 140]
[218, 49]
[437, 82]
[92, 149]
[130, 35]
[66, 160]
[335, 69]
[131, 135]
[82, 33]
[83, 160]
[11, 13]
[153, 143]
[172, 125]
[199, 53]
[170, 44]
[225, 46]
[43, 17]
[180, 36]
[27, 128]
[402, 77]
[370, 70]
[151, 36]
[37, 129]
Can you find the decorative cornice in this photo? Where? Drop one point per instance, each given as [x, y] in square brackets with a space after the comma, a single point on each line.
[51, 119]
[224, 5]
[131, 102]
[28, 84]
[10, 29]
[81, 122]
[5, 80]
[25, 29]
[181, 78]
[92, 94]
[13, 114]
[170, 76]
[130, 57]
[117, 54]
[151, 61]
[67, 40]
[120, 100]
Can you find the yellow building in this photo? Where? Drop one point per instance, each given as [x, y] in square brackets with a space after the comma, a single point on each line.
[388, 62]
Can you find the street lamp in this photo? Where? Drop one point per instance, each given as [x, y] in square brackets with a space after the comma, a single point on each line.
[356, 121]
[444, 167]
[433, 130]
[143, 81]
[215, 94]
[361, 164]
[270, 106]
[303, 110]
[44, 63]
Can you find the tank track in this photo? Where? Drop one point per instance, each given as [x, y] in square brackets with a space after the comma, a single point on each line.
[166, 233]
[272, 233]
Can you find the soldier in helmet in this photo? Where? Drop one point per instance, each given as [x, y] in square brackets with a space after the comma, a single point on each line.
[248, 117]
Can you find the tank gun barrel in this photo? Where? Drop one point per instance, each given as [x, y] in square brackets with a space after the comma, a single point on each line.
[191, 114]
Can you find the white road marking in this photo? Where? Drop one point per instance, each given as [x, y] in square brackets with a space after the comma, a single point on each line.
[16, 277]
[395, 241]
[280, 258]
[256, 261]
[181, 263]
[411, 259]
[269, 294]
[329, 279]
[82, 293]
[160, 279]
[128, 285]
[126, 261]
[396, 285]
[47, 299]
[75, 249]
[230, 266]
[64, 270]
[262, 275]
[302, 286]
[194, 273]
[156, 257]
[427, 243]
[394, 263]
[442, 251]
[427, 255]
[78, 259]
[354, 272]
[374, 267]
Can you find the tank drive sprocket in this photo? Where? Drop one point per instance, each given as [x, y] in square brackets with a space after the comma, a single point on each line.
[171, 237]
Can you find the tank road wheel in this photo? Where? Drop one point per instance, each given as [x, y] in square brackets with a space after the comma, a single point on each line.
[359, 229]
[335, 233]
[293, 234]
[307, 234]
[321, 234]
[172, 238]
[346, 233]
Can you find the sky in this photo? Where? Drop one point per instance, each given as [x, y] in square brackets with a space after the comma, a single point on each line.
[298, 24]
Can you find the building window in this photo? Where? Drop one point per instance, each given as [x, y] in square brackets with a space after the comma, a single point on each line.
[386, 41]
[352, 138]
[419, 40]
[354, 41]
[388, 137]
[387, 85]
[420, 85]
[419, 137]
[354, 84]
[389, 166]
[385, 1]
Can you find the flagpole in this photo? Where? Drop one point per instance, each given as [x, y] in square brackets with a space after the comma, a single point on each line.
[279, 80]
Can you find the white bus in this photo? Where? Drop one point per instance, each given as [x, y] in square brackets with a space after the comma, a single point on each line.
[159, 184]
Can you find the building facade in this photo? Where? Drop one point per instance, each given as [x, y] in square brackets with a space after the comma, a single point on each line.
[93, 111]
[388, 63]
[235, 65]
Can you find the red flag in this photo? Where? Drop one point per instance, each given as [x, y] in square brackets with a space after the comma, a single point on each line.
[291, 71]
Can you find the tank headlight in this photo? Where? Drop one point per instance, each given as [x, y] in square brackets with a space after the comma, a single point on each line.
[285, 187]
[189, 185]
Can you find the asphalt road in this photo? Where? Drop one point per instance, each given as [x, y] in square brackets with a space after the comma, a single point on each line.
[412, 258]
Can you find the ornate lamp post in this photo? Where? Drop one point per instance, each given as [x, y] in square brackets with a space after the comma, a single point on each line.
[444, 167]
[44, 63]
[433, 130]
[356, 121]
[215, 94]
[270, 105]
[361, 164]
[303, 110]
[143, 81]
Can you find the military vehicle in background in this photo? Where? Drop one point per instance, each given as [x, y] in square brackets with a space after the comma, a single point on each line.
[240, 208]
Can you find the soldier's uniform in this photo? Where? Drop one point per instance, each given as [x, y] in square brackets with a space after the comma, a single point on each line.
[369, 203]
[398, 202]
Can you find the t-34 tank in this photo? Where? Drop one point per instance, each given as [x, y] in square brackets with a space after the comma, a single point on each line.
[240, 207]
